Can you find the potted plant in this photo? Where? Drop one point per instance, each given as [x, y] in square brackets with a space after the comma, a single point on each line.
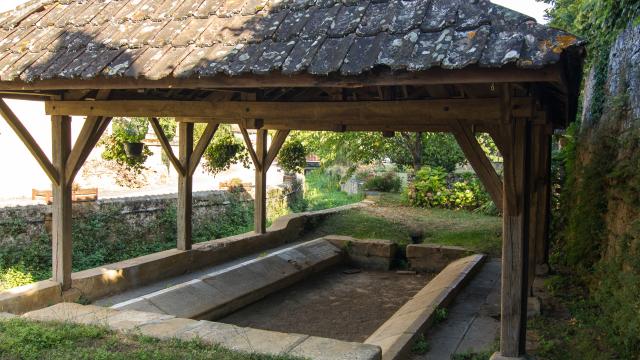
[124, 146]
[224, 150]
[132, 132]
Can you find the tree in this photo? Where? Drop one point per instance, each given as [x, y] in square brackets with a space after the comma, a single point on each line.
[408, 149]
[432, 149]
[292, 158]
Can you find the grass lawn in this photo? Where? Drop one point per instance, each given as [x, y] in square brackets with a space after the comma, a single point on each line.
[21, 339]
[323, 192]
[391, 219]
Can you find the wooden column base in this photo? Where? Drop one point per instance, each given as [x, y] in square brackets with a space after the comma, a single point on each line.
[498, 356]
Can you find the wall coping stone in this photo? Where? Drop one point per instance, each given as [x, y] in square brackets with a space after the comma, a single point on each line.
[228, 336]
[396, 336]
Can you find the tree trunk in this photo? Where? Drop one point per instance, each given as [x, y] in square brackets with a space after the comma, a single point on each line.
[417, 152]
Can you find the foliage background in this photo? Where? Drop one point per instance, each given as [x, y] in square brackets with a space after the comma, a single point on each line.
[596, 222]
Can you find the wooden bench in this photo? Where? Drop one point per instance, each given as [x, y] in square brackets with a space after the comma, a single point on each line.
[77, 195]
[235, 185]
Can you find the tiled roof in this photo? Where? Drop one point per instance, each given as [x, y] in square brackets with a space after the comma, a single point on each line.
[156, 39]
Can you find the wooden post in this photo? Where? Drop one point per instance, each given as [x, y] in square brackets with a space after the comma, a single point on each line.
[514, 137]
[542, 248]
[540, 200]
[538, 209]
[260, 207]
[515, 241]
[185, 187]
[62, 251]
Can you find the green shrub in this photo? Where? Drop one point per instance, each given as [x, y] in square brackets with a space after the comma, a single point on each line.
[322, 191]
[420, 346]
[292, 158]
[102, 237]
[388, 182]
[14, 277]
[433, 187]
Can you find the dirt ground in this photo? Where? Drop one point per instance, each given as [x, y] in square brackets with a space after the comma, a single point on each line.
[333, 304]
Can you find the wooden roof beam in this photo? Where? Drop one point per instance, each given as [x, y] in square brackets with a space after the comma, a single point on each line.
[294, 114]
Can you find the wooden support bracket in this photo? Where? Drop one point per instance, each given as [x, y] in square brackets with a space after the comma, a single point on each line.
[89, 136]
[92, 130]
[276, 145]
[201, 147]
[29, 142]
[166, 146]
[247, 140]
[479, 161]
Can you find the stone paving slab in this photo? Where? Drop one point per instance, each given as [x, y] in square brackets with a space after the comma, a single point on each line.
[7, 316]
[217, 294]
[63, 312]
[243, 339]
[397, 334]
[328, 349]
[227, 336]
[166, 329]
[469, 326]
[131, 319]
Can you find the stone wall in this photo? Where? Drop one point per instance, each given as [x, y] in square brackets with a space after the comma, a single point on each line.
[599, 237]
[608, 149]
[20, 224]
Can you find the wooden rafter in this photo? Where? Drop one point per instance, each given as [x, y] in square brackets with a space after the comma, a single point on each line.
[480, 163]
[308, 114]
[201, 147]
[29, 141]
[166, 146]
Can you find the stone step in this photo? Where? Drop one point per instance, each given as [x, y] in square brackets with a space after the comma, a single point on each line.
[231, 337]
[217, 294]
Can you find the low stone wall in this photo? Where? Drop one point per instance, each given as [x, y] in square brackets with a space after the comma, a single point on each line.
[432, 257]
[114, 278]
[20, 224]
[215, 295]
[368, 254]
[397, 335]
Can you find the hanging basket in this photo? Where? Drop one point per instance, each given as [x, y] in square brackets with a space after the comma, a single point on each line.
[133, 149]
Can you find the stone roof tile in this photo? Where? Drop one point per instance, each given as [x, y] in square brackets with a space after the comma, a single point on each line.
[156, 39]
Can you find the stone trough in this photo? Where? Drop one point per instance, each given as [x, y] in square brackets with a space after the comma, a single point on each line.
[188, 310]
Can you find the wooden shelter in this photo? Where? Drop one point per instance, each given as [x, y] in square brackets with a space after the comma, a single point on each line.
[460, 66]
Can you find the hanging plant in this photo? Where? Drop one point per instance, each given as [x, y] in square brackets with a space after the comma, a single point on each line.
[292, 158]
[124, 146]
[225, 150]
